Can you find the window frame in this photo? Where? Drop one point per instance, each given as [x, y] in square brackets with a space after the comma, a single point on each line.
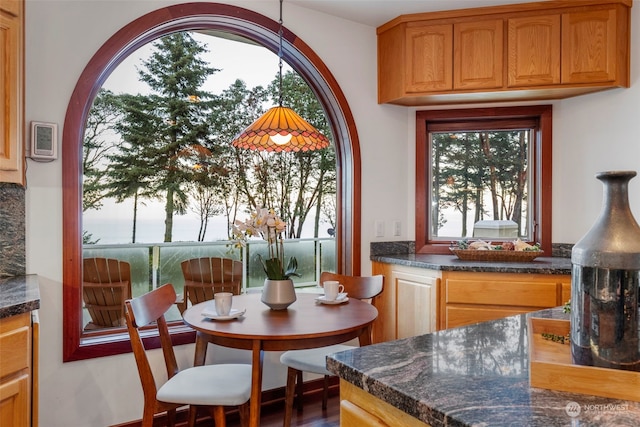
[184, 17]
[541, 168]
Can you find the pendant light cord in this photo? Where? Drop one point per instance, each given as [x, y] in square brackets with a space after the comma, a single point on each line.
[280, 31]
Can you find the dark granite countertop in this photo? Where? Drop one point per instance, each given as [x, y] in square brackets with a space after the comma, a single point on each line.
[19, 294]
[542, 265]
[475, 375]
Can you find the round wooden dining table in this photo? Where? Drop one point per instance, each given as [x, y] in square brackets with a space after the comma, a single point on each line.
[305, 324]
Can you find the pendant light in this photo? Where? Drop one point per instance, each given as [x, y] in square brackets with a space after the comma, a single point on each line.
[280, 128]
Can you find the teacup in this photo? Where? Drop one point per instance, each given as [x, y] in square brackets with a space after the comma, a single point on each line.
[331, 289]
[223, 302]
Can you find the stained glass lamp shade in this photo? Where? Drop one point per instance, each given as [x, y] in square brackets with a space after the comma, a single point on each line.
[281, 129]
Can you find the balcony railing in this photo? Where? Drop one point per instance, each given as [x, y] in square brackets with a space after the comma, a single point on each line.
[156, 264]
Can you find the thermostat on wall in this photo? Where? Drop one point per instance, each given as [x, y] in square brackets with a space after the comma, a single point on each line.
[44, 141]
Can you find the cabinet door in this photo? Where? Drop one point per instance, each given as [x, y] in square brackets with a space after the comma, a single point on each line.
[589, 46]
[14, 402]
[478, 54]
[359, 409]
[11, 6]
[534, 51]
[429, 61]
[407, 305]
[15, 363]
[461, 316]
[354, 416]
[416, 304]
[11, 151]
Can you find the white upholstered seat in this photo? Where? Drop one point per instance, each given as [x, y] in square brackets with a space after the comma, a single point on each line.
[313, 360]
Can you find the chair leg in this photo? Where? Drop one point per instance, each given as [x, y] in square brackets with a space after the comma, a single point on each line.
[171, 417]
[147, 418]
[243, 410]
[288, 396]
[217, 412]
[299, 388]
[325, 392]
[193, 412]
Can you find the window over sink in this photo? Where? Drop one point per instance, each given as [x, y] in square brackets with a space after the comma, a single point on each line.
[483, 174]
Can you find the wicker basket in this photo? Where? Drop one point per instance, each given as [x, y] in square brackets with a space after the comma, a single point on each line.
[496, 255]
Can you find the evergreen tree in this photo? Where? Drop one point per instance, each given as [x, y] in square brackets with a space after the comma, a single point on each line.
[169, 120]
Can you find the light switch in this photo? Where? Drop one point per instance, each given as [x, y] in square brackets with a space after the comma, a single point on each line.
[379, 228]
[396, 228]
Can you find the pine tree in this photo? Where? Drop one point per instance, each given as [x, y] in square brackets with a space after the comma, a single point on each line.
[160, 127]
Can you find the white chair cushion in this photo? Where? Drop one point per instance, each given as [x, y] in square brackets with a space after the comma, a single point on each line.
[312, 360]
[223, 384]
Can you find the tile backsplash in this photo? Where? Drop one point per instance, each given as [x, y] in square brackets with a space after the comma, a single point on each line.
[12, 230]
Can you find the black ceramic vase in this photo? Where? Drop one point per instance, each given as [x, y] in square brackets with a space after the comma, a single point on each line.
[605, 283]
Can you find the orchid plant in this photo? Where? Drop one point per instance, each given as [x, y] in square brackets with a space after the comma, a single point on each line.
[266, 224]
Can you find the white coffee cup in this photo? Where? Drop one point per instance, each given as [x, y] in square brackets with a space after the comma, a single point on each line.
[223, 303]
[331, 289]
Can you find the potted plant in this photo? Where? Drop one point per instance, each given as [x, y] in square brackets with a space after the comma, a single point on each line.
[278, 292]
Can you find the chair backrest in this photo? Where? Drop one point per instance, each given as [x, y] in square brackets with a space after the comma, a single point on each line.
[106, 284]
[140, 312]
[364, 288]
[205, 276]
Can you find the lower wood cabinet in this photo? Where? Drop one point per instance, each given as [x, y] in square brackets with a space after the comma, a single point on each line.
[417, 301]
[16, 352]
[468, 297]
[407, 305]
[361, 409]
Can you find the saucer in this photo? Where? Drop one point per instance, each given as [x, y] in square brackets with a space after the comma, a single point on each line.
[211, 313]
[342, 297]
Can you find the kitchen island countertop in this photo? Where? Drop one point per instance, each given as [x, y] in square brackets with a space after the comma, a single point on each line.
[476, 375]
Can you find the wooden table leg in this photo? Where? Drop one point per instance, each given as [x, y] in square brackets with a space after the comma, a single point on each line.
[201, 349]
[256, 383]
[365, 336]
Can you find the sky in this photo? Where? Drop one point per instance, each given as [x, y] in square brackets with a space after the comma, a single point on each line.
[256, 65]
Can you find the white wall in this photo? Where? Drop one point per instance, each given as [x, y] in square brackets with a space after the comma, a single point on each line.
[591, 133]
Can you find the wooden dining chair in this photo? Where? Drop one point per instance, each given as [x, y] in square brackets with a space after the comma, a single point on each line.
[106, 284]
[213, 386]
[313, 360]
[205, 276]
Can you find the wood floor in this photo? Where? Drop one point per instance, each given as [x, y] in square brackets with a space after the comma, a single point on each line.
[311, 416]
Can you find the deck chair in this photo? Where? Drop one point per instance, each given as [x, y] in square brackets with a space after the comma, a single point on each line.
[106, 284]
[313, 360]
[205, 276]
[212, 386]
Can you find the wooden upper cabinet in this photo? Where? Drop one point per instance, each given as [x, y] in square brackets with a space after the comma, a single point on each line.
[429, 63]
[477, 55]
[548, 50]
[589, 46]
[534, 50]
[11, 92]
[14, 7]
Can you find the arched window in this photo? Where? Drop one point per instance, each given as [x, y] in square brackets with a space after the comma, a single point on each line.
[195, 16]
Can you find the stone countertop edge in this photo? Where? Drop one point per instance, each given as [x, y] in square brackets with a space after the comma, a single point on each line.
[19, 294]
[542, 265]
[475, 375]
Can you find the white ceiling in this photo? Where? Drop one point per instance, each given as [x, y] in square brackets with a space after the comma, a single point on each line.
[376, 12]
